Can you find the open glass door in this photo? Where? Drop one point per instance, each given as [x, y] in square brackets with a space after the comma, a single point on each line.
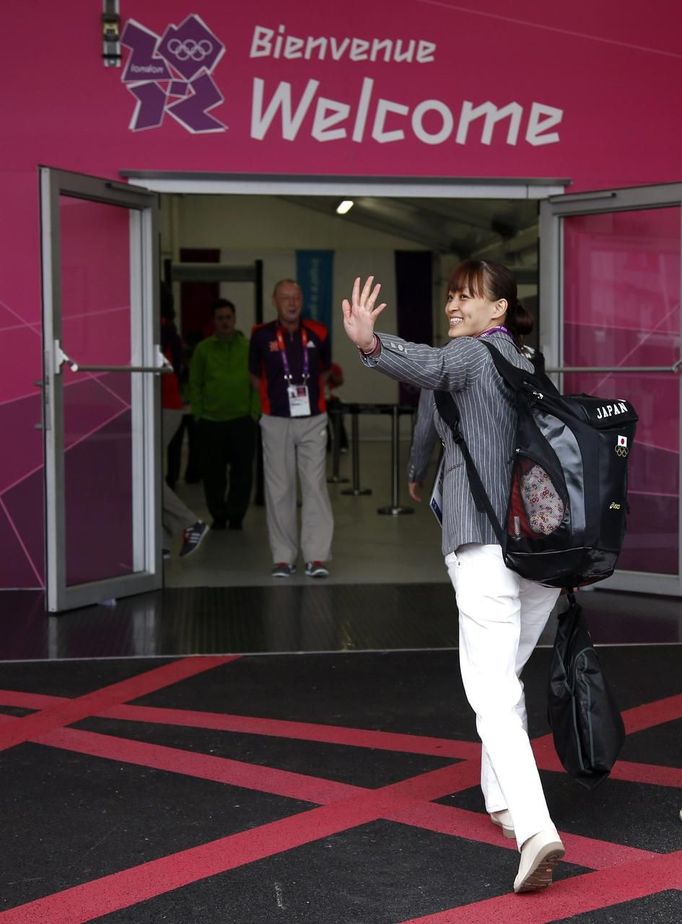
[101, 370]
[610, 290]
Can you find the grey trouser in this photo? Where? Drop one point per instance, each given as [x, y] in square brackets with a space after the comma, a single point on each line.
[175, 515]
[290, 443]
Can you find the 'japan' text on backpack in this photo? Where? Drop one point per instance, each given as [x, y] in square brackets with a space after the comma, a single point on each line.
[567, 506]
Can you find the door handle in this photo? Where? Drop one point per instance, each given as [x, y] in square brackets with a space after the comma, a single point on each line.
[158, 370]
[676, 367]
[60, 357]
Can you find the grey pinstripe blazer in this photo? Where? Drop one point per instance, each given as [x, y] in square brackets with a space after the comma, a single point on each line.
[463, 367]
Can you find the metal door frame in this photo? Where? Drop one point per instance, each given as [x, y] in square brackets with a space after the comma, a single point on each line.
[551, 287]
[145, 359]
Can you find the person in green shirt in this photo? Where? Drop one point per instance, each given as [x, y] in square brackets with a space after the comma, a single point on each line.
[225, 406]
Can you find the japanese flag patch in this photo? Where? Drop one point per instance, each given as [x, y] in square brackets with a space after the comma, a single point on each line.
[622, 446]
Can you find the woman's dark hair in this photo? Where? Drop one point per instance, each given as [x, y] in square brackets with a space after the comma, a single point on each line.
[493, 281]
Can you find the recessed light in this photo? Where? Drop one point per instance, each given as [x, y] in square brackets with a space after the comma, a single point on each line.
[344, 206]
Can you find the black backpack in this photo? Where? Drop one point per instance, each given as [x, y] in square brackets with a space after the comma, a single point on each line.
[567, 507]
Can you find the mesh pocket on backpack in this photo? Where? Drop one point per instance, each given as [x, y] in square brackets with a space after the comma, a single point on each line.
[536, 507]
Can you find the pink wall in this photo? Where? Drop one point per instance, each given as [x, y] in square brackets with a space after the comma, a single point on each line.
[607, 74]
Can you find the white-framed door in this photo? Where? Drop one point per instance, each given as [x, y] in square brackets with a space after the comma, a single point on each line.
[101, 368]
[610, 293]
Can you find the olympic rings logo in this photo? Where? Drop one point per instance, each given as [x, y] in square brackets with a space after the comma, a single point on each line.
[622, 451]
[189, 48]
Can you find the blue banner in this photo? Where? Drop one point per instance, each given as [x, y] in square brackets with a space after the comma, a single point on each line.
[314, 270]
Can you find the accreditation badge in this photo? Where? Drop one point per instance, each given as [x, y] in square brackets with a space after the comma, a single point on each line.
[299, 400]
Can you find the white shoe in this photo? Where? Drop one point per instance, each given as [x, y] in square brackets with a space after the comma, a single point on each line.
[539, 855]
[503, 820]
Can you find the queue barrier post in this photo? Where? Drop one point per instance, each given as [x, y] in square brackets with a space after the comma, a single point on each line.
[355, 490]
[335, 414]
[395, 508]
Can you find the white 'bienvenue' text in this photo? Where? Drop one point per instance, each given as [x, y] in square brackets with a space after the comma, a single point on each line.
[271, 43]
[371, 115]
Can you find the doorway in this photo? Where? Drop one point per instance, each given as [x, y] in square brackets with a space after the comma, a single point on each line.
[449, 222]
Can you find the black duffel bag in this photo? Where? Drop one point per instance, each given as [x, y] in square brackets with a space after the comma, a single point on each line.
[586, 723]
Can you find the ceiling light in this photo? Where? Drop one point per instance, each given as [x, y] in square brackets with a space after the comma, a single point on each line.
[344, 206]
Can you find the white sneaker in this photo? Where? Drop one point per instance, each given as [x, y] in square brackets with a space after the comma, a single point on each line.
[539, 855]
[503, 820]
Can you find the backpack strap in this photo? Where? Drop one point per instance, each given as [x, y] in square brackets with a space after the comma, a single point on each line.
[520, 379]
[449, 411]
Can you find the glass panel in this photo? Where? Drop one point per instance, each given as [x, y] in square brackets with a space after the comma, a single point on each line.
[98, 438]
[622, 308]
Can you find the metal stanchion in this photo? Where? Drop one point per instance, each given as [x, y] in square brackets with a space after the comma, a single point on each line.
[394, 508]
[356, 490]
[335, 414]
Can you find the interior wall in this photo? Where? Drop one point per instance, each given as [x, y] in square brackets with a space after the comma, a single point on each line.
[268, 228]
[246, 228]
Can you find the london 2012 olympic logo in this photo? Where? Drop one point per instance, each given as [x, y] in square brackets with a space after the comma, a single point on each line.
[173, 73]
[190, 49]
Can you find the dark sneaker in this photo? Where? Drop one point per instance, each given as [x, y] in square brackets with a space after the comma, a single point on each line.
[219, 524]
[192, 537]
[283, 569]
[235, 524]
[316, 569]
[165, 554]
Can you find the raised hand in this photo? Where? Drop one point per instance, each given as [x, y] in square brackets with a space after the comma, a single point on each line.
[361, 312]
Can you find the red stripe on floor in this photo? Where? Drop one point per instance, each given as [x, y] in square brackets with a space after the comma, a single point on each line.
[29, 700]
[545, 754]
[159, 876]
[475, 826]
[73, 710]
[655, 713]
[129, 887]
[653, 774]
[434, 784]
[202, 766]
[406, 806]
[626, 770]
[578, 895]
[421, 812]
[301, 731]
[636, 719]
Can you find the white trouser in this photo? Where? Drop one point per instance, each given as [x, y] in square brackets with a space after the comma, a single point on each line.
[501, 618]
[290, 443]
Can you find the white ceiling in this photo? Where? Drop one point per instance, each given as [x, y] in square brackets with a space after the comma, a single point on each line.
[493, 229]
